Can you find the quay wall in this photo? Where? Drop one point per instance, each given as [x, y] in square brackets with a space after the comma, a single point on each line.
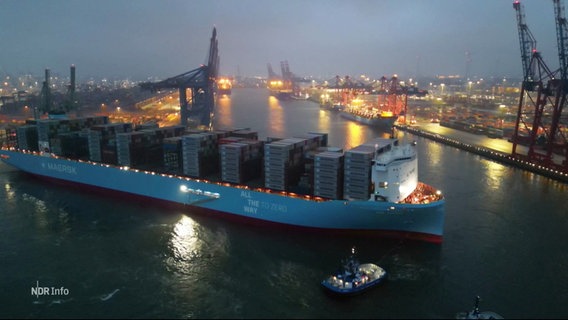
[490, 154]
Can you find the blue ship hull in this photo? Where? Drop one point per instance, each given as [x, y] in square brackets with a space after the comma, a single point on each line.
[414, 221]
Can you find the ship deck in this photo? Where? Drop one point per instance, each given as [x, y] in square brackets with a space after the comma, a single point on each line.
[423, 194]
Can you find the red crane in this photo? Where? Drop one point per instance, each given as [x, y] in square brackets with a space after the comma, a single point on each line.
[558, 126]
[542, 94]
[392, 96]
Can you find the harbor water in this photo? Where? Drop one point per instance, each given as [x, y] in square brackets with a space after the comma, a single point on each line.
[66, 253]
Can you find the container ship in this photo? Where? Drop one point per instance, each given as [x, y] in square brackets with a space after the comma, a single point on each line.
[383, 120]
[298, 182]
[366, 110]
[224, 86]
[280, 89]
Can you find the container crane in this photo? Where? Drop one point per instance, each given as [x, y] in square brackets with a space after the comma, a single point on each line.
[559, 121]
[280, 86]
[537, 97]
[200, 82]
[46, 99]
[392, 96]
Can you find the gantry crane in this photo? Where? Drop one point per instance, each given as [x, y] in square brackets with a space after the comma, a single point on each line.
[345, 89]
[558, 127]
[70, 102]
[392, 96]
[46, 98]
[271, 74]
[200, 83]
[539, 90]
[280, 86]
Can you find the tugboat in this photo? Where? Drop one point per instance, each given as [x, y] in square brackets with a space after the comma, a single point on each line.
[476, 314]
[353, 277]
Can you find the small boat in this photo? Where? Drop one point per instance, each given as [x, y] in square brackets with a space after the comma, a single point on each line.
[476, 314]
[353, 277]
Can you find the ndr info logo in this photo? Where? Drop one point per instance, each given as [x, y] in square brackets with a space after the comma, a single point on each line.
[49, 291]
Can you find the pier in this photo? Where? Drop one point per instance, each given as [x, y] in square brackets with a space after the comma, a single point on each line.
[486, 152]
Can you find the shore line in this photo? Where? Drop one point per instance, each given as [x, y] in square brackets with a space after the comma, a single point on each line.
[488, 153]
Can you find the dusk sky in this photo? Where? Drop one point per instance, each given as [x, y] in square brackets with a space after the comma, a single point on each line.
[138, 39]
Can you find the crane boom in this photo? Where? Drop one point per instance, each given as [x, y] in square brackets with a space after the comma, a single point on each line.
[271, 74]
[527, 41]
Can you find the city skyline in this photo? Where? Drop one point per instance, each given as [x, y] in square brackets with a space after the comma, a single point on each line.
[148, 38]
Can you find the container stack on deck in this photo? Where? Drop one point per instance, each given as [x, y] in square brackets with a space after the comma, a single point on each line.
[73, 145]
[303, 163]
[284, 160]
[193, 153]
[9, 137]
[173, 155]
[240, 160]
[49, 132]
[27, 137]
[244, 133]
[357, 172]
[200, 154]
[328, 175]
[102, 141]
[280, 157]
[315, 142]
[127, 146]
[144, 149]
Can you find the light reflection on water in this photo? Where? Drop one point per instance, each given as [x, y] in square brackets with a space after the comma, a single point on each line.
[224, 112]
[40, 210]
[434, 155]
[494, 174]
[9, 193]
[323, 121]
[354, 135]
[193, 247]
[184, 242]
[275, 117]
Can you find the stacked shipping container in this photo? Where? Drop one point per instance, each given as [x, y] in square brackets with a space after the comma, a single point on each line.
[328, 175]
[49, 132]
[357, 172]
[241, 160]
[200, 154]
[302, 162]
[285, 160]
[27, 137]
[102, 141]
